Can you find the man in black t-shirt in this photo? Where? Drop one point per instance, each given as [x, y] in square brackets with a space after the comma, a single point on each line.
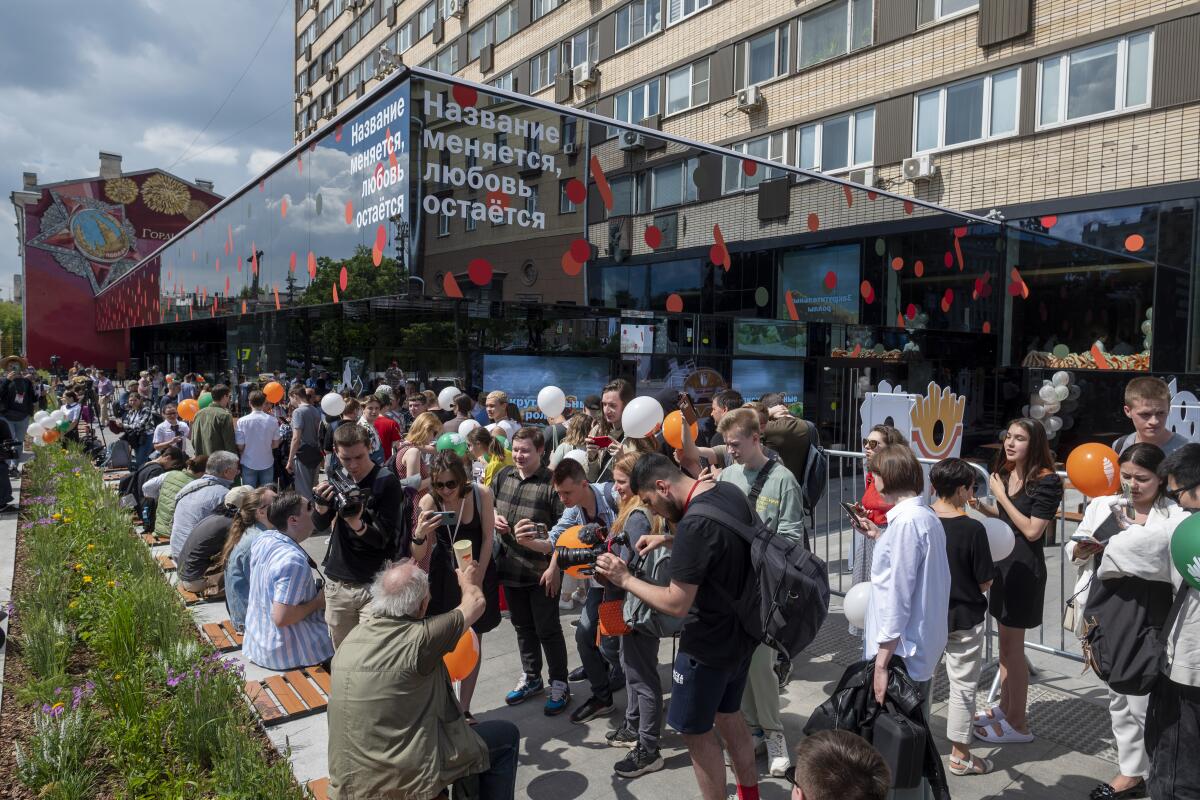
[710, 565]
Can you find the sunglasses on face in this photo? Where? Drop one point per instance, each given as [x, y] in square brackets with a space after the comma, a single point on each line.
[870, 444]
[1174, 494]
[447, 485]
[789, 775]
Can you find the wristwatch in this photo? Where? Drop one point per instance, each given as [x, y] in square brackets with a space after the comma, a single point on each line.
[422, 540]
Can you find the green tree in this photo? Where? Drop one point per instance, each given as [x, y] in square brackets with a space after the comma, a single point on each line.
[11, 341]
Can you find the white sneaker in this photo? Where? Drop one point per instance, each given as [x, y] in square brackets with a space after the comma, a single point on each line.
[777, 753]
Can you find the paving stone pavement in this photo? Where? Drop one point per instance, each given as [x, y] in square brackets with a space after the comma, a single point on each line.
[559, 760]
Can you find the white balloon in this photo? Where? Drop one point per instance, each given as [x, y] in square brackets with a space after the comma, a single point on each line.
[1054, 423]
[35, 431]
[641, 416]
[333, 404]
[1047, 392]
[38, 441]
[57, 416]
[1073, 392]
[1024, 411]
[855, 604]
[446, 397]
[1061, 393]
[1053, 407]
[41, 415]
[578, 455]
[1037, 412]
[467, 426]
[1001, 540]
[1061, 378]
[551, 401]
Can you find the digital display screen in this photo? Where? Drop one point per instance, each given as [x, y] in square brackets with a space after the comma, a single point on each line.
[756, 377]
[822, 282]
[522, 377]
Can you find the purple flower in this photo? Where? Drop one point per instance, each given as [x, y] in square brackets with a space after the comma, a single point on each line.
[57, 691]
[174, 681]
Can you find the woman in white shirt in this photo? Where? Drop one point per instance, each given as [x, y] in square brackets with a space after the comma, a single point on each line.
[908, 613]
[1112, 522]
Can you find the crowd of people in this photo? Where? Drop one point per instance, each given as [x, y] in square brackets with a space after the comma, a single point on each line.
[393, 594]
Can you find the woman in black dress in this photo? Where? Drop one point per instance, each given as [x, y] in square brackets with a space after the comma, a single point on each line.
[474, 520]
[1028, 494]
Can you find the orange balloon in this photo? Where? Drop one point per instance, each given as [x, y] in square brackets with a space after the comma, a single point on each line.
[273, 391]
[50, 436]
[187, 409]
[570, 539]
[463, 658]
[672, 429]
[1093, 469]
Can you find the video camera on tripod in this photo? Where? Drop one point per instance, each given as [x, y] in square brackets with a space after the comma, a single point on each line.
[579, 546]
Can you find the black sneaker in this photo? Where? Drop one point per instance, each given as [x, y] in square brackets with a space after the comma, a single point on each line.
[577, 675]
[591, 709]
[624, 736]
[639, 762]
[783, 669]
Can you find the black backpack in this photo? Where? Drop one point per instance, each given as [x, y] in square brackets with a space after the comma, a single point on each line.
[1126, 623]
[793, 585]
[816, 472]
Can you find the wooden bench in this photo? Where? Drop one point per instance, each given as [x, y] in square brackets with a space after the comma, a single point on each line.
[189, 598]
[153, 540]
[294, 694]
[318, 788]
[223, 635]
[166, 562]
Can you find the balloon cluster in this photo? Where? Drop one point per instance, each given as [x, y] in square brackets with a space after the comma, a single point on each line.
[48, 426]
[1147, 329]
[1051, 404]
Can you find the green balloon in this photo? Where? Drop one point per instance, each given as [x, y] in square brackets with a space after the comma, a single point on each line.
[504, 442]
[64, 426]
[452, 441]
[1185, 550]
[205, 399]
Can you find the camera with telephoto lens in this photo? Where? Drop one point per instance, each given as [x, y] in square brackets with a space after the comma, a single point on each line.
[348, 497]
[594, 537]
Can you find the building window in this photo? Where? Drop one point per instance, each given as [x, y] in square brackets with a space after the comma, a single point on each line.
[543, 7]
[967, 112]
[773, 148]
[834, 30]
[498, 28]
[403, 39]
[447, 61]
[682, 9]
[582, 48]
[505, 81]
[839, 143]
[1096, 81]
[470, 223]
[302, 81]
[565, 206]
[443, 225]
[931, 11]
[542, 69]
[634, 105]
[531, 200]
[762, 58]
[636, 21]
[426, 19]
[687, 87]
[673, 185]
[626, 196]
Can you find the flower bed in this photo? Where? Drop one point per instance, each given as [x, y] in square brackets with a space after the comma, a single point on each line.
[109, 690]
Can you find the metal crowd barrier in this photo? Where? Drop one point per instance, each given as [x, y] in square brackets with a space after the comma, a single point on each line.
[832, 540]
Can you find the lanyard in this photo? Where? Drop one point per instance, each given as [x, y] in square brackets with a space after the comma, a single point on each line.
[688, 501]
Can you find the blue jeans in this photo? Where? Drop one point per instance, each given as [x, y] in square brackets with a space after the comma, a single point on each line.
[258, 477]
[19, 426]
[504, 742]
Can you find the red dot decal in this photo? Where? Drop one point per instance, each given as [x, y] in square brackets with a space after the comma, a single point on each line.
[380, 243]
[653, 237]
[908, 207]
[337, 133]
[1134, 242]
[292, 262]
[749, 167]
[897, 263]
[343, 277]
[872, 195]
[581, 250]
[480, 271]
[465, 96]
[911, 311]
[814, 223]
[960, 232]
[867, 291]
[300, 164]
[987, 327]
[570, 265]
[716, 254]
[576, 191]
[919, 268]
[1049, 221]
[831, 280]
[349, 212]
[948, 259]
[675, 304]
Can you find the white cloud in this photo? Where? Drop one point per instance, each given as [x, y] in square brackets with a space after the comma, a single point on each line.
[260, 160]
[170, 142]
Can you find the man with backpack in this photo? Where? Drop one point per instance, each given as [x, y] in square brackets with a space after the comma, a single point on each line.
[799, 447]
[710, 566]
[776, 498]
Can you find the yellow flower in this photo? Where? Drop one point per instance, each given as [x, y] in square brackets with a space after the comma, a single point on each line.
[87, 578]
[58, 706]
[77, 567]
[56, 515]
[117, 677]
[73, 604]
[90, 546]
[112, 584]
[68, 521]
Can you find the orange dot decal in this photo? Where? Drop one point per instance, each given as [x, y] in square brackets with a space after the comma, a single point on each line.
[919, 268]
[908, 207]
[336, 299]
[1049, 221]
[867, 291]
[450, 286]
[480, 271]
[312, 264]
[292, 262]
[380, 243]
[814, 223]
[576, 191]
[790, 301]
[846, 190]
[653, 237]
[283, 208]
[343, 277]
[349, 212]
[987, 327]
[674, 304]
[570, 265]
[1134, 242]
[897, 263]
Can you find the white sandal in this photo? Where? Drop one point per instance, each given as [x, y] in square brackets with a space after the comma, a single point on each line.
[977, 765]
[991, 717]
[1008, 734]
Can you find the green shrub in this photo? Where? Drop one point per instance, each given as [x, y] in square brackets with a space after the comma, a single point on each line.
[56, 762]
[45, 643]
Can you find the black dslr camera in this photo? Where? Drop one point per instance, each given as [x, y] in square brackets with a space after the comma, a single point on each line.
[348, 497]
[595, 538]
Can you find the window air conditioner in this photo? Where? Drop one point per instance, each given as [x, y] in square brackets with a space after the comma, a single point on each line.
[584, 75]
[456, 8]
[863, 177]
[631, 140]
[299, 96]
[570, 148]
[749, 99]
[919, 168]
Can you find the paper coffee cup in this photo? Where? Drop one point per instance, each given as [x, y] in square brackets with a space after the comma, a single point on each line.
[462, 553]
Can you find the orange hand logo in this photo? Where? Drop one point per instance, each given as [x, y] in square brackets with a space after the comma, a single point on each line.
[944, 407]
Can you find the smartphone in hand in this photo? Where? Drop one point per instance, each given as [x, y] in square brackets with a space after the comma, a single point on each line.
[1085, 538]
[852, 513]
[602, 441]
[688, 408]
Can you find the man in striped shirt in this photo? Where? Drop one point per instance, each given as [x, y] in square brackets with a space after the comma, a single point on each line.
[285, 617]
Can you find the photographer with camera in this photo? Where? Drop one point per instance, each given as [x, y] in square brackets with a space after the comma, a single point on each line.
[172, 431]
[369, 514]
[586, 505]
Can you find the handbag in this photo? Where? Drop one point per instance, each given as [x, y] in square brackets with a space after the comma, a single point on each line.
[1126, 622]
[612, 618]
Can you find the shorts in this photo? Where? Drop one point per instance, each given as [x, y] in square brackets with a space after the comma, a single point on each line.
[700, 692]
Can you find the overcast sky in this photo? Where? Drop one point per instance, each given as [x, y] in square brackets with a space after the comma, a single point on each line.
[140, 78]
